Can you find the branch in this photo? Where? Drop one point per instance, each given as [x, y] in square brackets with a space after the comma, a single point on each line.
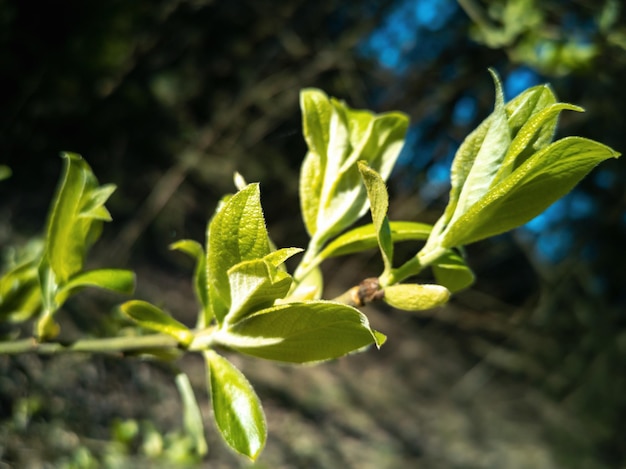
[113, 345]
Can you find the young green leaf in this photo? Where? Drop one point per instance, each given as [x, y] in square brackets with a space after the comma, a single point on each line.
[155, 319]
[192, 417]
[379, 204]
[237, 233]
[301, 332]
[195, 251]
[254, 285]
[364, 237]
[117, 280]
[75, 219]
[236, 407]
[20, 293]
[517, 113]
[414, 297]
[541, 180]
[309, 287]
[331, 193]
[534, 135]
[452, 272]
[477, 162]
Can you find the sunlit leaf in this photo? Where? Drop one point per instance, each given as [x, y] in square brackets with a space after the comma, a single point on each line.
[541, 180]
[379, 204]
[363, 237]
[117, 280]
[237, 233]
[301, 332]
[155, 319]
[236, 407]
[331, 193]
[192, 417]
[75, 219]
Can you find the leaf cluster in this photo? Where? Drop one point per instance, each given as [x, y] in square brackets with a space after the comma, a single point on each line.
[506, 172]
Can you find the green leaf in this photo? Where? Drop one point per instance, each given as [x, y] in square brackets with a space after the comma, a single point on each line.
[379, 204]
[364, 237]
[237, 233]
[155, 319]
[414, 297]
[236, 407]
[526, 104]
[541, 180]
[5, 172]
[255, 285]
[20, 293]
[332, 196]
[301, 332]
[117, 280]
[75, 219]
[276, 258]
[309, 288]
[192, 417]
[452, 272]
[195, 251]
[478, 159]
[535, 134]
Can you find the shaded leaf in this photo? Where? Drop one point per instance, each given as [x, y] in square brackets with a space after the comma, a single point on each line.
[195, 251]
[379, 204]
[332, 196]
[236, 407]
[452, 272]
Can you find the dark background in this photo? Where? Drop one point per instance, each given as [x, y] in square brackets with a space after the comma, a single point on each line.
[167, 99]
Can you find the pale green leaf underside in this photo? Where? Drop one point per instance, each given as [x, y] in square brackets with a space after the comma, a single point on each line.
[481, 163]
[236, 407]
[196, 252]
[155, 319]
[301, 332]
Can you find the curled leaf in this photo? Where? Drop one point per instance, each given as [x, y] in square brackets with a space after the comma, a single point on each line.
[415, 297]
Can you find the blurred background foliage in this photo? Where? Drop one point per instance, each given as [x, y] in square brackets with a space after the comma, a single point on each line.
[168, 98]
